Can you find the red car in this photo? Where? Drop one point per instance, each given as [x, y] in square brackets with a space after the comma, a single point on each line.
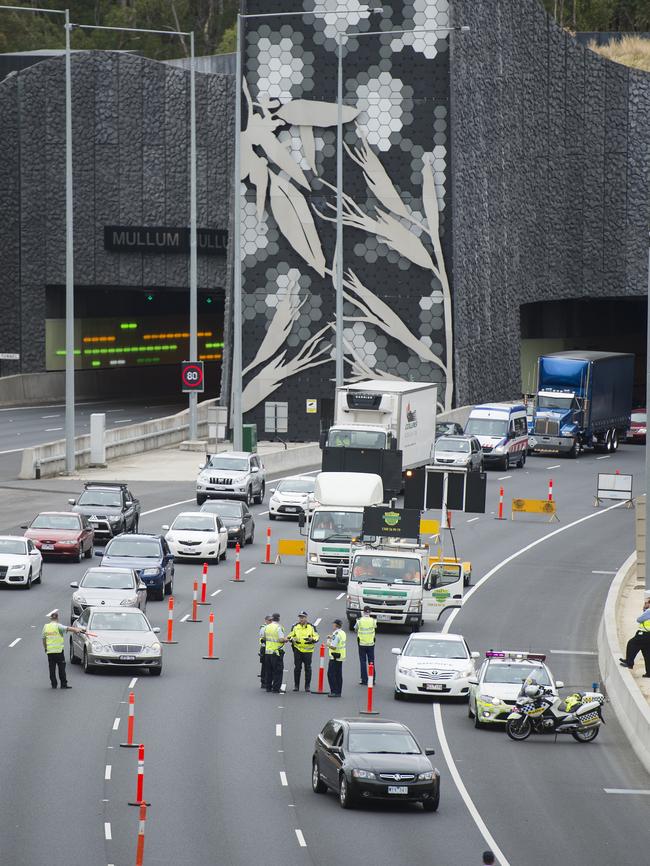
[636, 433]
[61, 533]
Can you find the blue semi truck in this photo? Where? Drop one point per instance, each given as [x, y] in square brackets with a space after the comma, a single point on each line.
[583, 400]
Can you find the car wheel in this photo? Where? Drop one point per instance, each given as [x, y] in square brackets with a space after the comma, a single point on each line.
[522, 460]
[224, 554]
[200, 499]
[506, 462]
[136, 526]
[242, 539]
[346, 798]
[73, 658]
[252, 538]
[40, 574]
[260, 496]
[431, 805]
[79, 555]
[28, 585]
[169, 588]
[88, 669]
[587, 736]
[573, 453]
[470, 714]
[614, 442]
[351, 623]
[477, 722]
[414, 628]
[155, 672]
[271, 516]
[89, 552]
[249, 496]
[317, 784]
[158, 594]
[312, 582]
[398, 695]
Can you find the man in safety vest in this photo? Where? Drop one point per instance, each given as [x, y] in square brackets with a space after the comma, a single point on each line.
[303, 637]
[366, 628]
[336, 645]
[262, 639]
[640, 642]
[53, 644]
[274, 640]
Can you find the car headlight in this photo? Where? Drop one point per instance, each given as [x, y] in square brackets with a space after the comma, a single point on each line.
[99, 647]
[489, 699]
[68, 542]
[115, 519]
[426, 777]
[20, 567]
[170, 537]
[313, 557]
[212, 540]
[500, 448]
[273, 500]
[150, 572]
[79, 599]
[232, 530]
[406, 672]
[363, 774]
[129, 602]
[354, 603]
[152, 650]
[415, 605]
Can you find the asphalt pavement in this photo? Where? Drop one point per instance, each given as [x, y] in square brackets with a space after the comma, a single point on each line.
[227, 766]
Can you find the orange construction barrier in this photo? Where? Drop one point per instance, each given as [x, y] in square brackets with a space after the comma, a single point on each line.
[210, 656]
[130, 725]
[170, 622]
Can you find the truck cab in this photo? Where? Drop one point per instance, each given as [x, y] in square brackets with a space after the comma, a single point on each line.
[360, 436]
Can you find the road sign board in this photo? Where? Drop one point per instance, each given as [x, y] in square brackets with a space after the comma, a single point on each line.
[9, 356]
[192, 377]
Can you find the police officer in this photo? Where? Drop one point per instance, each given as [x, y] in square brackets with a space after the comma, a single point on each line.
[274, 640]
[303, 637]
[262, 639]
[53, 644]
[366, 628]
[336, 645]
[640, 642]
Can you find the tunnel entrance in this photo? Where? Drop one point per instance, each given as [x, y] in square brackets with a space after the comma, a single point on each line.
[607, 325]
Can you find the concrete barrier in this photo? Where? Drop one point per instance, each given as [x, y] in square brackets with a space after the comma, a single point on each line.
[293, 459]
[630, 706]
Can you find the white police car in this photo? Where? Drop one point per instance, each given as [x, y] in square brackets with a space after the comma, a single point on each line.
[431, 663]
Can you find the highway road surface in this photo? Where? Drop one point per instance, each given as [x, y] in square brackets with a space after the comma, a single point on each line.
[227, 766]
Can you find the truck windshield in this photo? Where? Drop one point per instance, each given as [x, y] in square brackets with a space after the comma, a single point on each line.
[557, 401]
[386, 569]
[487, 427]
[357, 439]
[336, 525]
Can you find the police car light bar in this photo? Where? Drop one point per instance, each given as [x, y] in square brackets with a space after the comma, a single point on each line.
[512, 654]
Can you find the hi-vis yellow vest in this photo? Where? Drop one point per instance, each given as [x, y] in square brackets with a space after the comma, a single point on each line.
[53, 638]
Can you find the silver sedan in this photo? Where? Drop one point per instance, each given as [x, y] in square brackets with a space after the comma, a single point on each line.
[104, 585]
[115, 637]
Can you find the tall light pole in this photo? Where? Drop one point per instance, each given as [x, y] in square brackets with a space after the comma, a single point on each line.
[69, 242]
[236, 414]
[193, 401]
[341, 39]
[647, 447]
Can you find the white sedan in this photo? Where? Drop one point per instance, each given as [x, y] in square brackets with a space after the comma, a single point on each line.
[433, 663]
[197, 535]
[21, 563]
[292, 497]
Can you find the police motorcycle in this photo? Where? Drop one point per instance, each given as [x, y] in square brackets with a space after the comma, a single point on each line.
[539, 711]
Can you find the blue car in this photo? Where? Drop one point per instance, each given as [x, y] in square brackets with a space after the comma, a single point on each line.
[148, 555]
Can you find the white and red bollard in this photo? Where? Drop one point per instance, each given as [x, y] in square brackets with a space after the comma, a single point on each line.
[500, 516]
[130, 725]
[139, 791]
[371, 684]
[170, 622]
[550, 490]
[195, 604]
[210, 656]
[267, 556]
[204, 585]
[139, 854]
[449, 526]
[237, 578]
[321, 672]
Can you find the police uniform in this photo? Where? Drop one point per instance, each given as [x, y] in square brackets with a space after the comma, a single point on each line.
[336, 644]
[639, 643]
[303, 637]
[274, 655]
[262, 654]
[54, 647]
[366, 629]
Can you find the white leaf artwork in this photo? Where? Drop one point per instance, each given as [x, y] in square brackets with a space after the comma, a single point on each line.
[311, 112]
[294, 219]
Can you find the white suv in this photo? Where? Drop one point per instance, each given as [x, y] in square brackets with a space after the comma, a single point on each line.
[231, 474]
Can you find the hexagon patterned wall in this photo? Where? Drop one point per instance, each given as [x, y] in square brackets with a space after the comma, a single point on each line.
[396, 208]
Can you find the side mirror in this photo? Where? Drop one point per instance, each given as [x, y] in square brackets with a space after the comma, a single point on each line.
[559, 684]
[255, 469]
[429, 751]
[75, 584]
[396, 651]
[72, 501]
[202, 466]
[155, 630]
[99, 553]
[336, 750]
[24, 525]
[322, 439]
[393, 444]
[272, 490]
[302, 519]
[475, 655]
[142, 586]
[165, 526]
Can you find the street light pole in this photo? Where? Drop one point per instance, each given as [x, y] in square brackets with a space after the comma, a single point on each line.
[647, 447]
[193, 432]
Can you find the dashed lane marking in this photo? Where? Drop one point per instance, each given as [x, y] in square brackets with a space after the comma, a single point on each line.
[14, 642]
[44, 417]
[604, 457]
[278, 730]
[340, 596]
[108, 769]
[472, 519]
[640, 791]
[116, 723]
[53, 429]
[250, 569]
[603, 572]
[262, 513]
[504, 477]
[555, 466]
[185, 618]
[169, 505]
[133, 682]
[212, 594]
[283, 778]
[108, 835]
[573, 652]
[317, 621]
[301, 838]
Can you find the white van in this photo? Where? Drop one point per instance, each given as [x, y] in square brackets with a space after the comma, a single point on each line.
[502, 430]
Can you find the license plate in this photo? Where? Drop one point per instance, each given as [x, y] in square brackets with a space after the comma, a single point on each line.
[394, 789]
[47, 547]
[433, 687]
[290, 509]
[383, 617]
[127, 658]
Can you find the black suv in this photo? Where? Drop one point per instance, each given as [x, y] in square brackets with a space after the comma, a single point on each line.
[110, 507]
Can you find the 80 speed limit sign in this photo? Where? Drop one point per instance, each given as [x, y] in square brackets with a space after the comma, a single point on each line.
[192, 376]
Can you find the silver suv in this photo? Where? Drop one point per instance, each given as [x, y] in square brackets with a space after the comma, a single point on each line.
[236, 474]
[458, 451]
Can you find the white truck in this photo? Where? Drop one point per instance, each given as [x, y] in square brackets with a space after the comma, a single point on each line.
[375, 416]
[340, 499]
[401, 584]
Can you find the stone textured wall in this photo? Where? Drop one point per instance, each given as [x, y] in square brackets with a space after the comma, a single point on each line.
[131, 167]
[550, 181]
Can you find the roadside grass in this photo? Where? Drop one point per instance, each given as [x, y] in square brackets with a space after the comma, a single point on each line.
[629, 50]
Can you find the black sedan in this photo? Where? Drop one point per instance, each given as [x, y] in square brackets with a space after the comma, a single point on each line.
[236, 517]
[372, 759]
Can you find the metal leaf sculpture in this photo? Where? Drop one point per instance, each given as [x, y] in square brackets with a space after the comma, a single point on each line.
[295, 221]
[311, 112]
[309, 146]
[376, 177]
[286, 314]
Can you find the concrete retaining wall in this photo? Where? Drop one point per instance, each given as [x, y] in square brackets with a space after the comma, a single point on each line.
[630, 706]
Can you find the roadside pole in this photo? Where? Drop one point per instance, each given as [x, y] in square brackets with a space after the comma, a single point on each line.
[647, 451]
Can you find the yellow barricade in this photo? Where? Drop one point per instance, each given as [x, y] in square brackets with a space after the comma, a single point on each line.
[429, 527]
[535, 506]
[289, 547]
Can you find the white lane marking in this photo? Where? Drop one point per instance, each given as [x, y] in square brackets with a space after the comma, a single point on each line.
[133, 682]
[278, 730]
[262, 513]
[124, 421]
[472, 519]
[573, 652]
[462, 790]
[163, 507]
[116, 723]
[317, 621]
[603, 572]
[212, 594]
[301, 838]
[248, 571]
[53, 429]
[340, 595]
[555, 466]
[452, 616]
[14, 642]
[604, 457]
[185, 618]
[107, 831]
[283, 778]
[108, 769]
[50, 416]
[504, 477]
[56, 610]
[12, 450]
[627, 791]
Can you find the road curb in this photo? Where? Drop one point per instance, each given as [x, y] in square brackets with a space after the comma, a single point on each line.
[630, 706]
